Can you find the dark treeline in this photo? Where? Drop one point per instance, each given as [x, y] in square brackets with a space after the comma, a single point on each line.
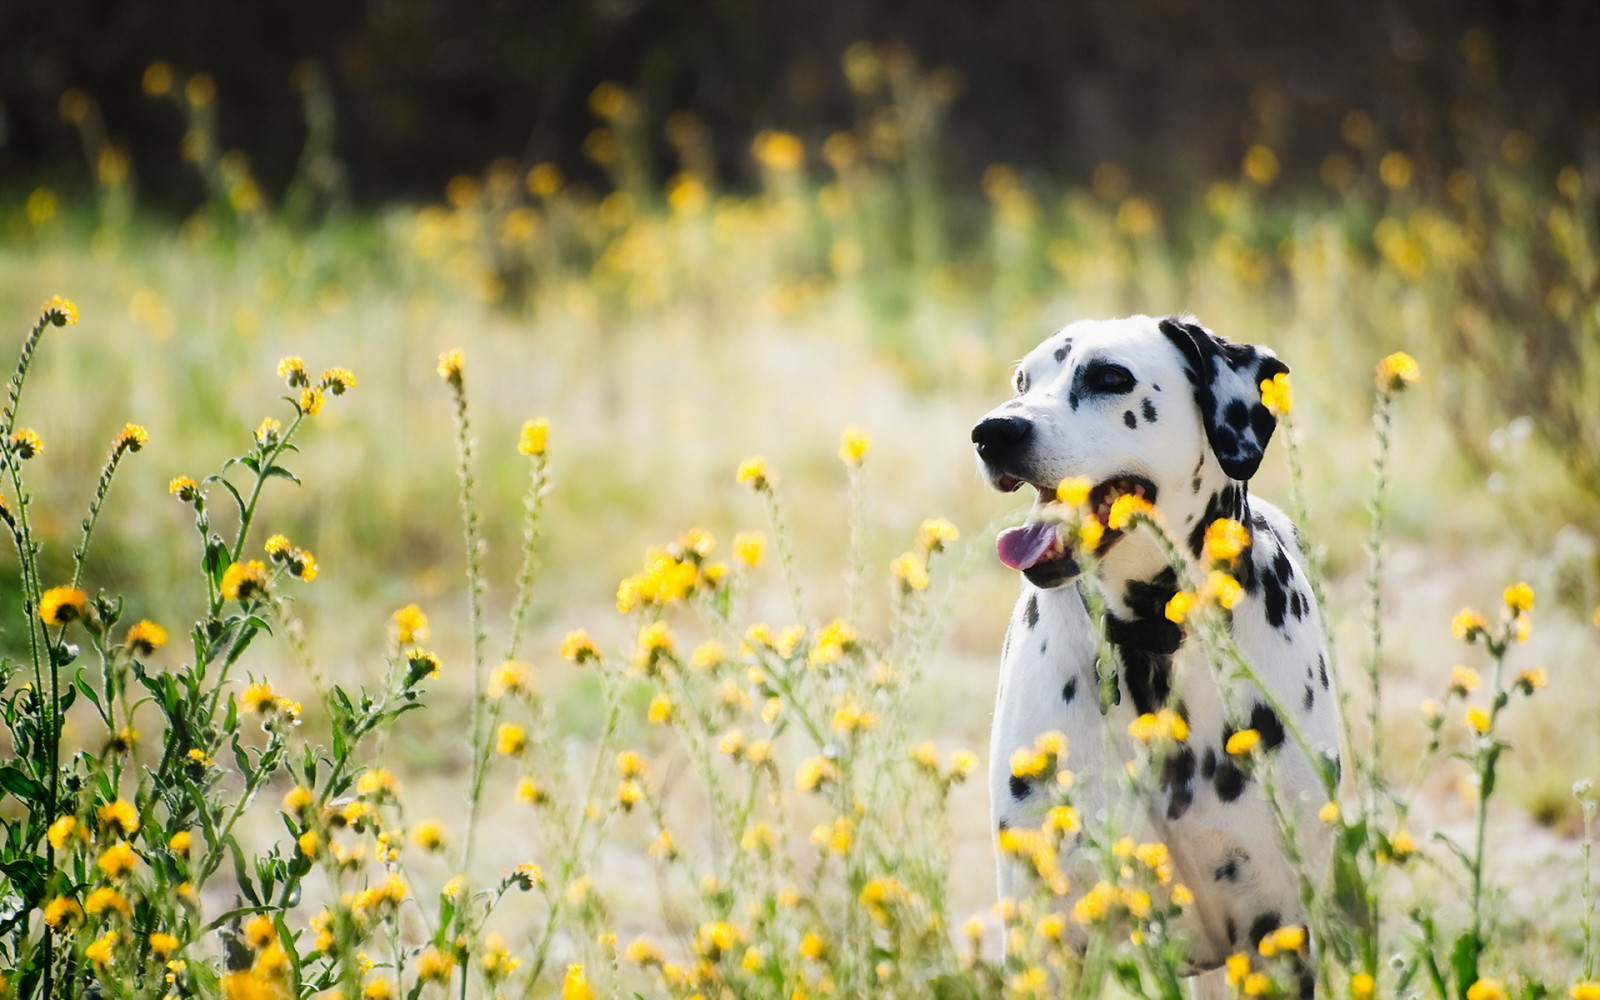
[424, 89]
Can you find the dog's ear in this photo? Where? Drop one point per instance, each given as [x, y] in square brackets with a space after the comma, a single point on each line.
[1227, 381]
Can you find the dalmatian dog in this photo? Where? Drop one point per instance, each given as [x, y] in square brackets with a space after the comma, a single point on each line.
[1167, 410]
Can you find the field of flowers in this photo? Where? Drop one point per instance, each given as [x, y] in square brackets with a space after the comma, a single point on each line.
[490, 660]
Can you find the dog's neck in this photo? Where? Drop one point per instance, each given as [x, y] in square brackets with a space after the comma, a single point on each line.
[1136, 574]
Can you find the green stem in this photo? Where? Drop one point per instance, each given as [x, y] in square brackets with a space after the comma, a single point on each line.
[533, 505]
[475, 593]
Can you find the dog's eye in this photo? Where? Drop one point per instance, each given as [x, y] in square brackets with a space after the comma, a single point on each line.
[1021, 381]
[1110, 378]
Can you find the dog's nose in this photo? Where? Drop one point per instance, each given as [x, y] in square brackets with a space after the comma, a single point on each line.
[995, 436]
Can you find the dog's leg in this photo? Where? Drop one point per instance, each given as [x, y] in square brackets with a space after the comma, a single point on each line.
[1211, 985]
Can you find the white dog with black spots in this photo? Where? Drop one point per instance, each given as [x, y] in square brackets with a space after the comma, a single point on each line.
[1167, 410]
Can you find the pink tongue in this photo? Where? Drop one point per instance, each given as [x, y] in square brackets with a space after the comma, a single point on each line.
[1021, 547]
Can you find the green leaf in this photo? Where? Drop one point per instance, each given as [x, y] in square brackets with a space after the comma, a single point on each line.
[1464, 961]
[16, 781]
[279, 472]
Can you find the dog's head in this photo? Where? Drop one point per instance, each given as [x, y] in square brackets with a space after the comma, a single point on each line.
[1164, 409]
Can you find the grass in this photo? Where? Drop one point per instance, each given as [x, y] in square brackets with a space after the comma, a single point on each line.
[667, 336]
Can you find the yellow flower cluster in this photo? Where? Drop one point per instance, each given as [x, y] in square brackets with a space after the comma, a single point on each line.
[672, 574]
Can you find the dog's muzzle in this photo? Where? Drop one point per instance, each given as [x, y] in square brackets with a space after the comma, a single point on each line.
[1001, 441]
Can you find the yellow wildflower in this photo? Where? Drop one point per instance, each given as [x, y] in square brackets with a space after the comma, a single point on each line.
[259, 698]
[753, 473]
[241, 581]
[911, 570]
[107, 900]
[510, 677]
[535, 437]
[714, 938]
[934, 534]
[338, 380]
[1585, 991]
[1486, 989]
[1074, 491]
[428, 835]
[99, 952]
[814, 772]
[451, 364]
[1178, 608]
[1519, 598]
[630, 764]
[1276, 394]
[132, 437]
[510, 739]
[1225, 540]
[145, 637]
[162, 945]
[1397, 371]
[780, 151]
[1467, 623]
[1532, 678]
[1165, 724]
[1257, 984]
[643, 952]
[117, 860]
[578, 648]
[661, 709]
[26, 443]
[60, 311]
[1242, 742]
[119, 818]
[62, 830]
[1090, 533]
[529, 791]
[813, 947]
[853, 445]
[1477, 720]
[60, 605]
[184, 489]
[1124, 508]
[707, 655]
[311, 401]
[1329, 812]
[749, 547]
[378, 988]
[61, 910]
[434, 966]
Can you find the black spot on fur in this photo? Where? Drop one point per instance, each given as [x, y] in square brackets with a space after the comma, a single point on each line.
[1208, 764]
[1263, 925]
[1299, 606]
[1322, 670]
[1044, 644]
[1002, 826]
[1194, 487]
[1072, 399]
[1310, 698]
[1019, 788]
[1276, 603]
[1145, 643]
[1237, 414]
[1233, 932]
[1069, 691]
[1157, 388]
[1177, 777]
[1148, 409]
[1266, 722]
[1030, 611]
[1230, 781]
[1283, 567]
[1228, 871]
[1129, 419]
[1061, 353]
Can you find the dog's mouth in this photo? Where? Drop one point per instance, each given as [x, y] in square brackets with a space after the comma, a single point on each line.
[1038, 548]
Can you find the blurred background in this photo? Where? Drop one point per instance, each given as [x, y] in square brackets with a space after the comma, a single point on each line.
[690, 233]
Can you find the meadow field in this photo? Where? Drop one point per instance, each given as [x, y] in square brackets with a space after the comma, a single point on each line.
[620, 616]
